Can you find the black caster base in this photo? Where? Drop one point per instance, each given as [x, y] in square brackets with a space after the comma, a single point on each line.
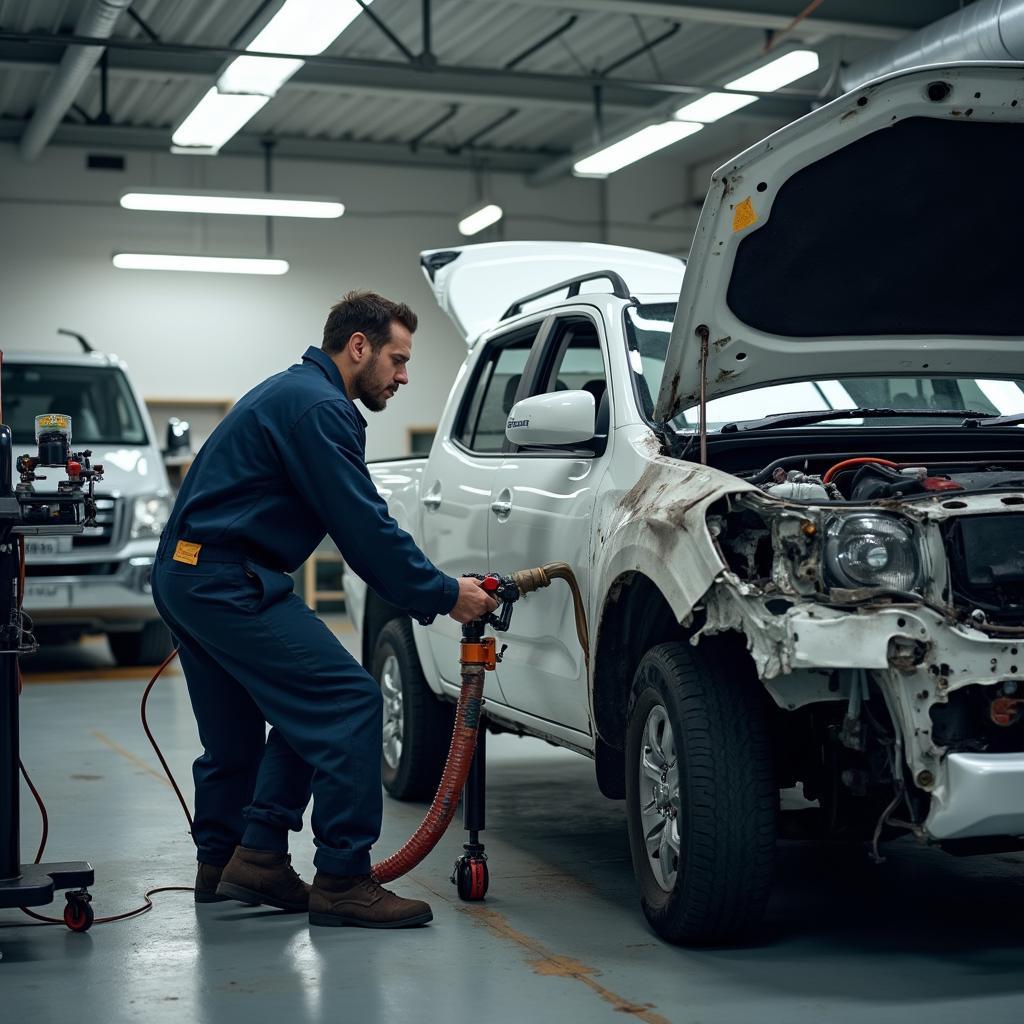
[35, 886]
[470, 876]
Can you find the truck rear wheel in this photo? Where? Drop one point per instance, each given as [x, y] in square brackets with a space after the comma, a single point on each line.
[701, 795]
[146, 646]
[417, 724]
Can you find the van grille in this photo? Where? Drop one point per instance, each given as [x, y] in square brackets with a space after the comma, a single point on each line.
[108, 516]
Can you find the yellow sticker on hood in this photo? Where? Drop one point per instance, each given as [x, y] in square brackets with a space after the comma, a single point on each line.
[744, 215]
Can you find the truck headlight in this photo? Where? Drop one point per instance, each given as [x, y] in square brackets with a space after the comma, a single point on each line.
[872, 551]
[150, 516]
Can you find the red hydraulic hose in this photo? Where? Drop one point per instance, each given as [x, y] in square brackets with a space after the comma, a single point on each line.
[453, 779]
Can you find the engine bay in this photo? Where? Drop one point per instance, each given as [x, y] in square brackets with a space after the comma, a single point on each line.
[872, 478]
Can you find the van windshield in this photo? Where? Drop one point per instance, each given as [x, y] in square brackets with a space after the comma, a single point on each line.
[647, 334]
[97, 398]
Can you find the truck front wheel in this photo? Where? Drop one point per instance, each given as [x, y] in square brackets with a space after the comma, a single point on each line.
[701, 795]
[417, 724]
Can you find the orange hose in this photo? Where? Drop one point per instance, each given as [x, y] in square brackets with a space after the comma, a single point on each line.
[827, 478]
[453, 779]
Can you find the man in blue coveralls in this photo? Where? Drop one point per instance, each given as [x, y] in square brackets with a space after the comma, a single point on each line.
[286, 466]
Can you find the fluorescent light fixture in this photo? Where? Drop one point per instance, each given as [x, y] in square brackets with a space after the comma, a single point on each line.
[632, 148]
[306, 27]
[214, 119]
[199, 264]
[479, 218]
[253, 204]
[777, 73]
[714, 106]
[301, 27]
[260, 75]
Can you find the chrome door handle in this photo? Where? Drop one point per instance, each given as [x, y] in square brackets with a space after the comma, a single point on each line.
[502, 505]
[432, 499]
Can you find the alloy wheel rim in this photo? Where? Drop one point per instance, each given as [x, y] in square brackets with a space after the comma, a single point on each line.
[660, 809]
[391, 690]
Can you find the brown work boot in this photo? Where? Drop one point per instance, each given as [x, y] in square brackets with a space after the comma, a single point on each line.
[261, 877]
[361, 900]
[207, 878]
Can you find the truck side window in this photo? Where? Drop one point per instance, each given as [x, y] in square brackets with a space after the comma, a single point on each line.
[577, 364]
[481, 427]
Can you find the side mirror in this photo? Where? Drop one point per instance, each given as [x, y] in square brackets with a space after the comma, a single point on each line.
[179, 437]
[556, 420]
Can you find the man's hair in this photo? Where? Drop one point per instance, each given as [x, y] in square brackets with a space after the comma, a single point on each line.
[367, 313]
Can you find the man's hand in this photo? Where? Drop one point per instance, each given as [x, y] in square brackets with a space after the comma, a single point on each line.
[473, 601]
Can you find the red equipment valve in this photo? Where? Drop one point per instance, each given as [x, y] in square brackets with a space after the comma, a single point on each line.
[491, 583]
[74, 469]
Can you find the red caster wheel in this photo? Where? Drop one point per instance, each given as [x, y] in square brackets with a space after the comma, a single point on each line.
[78, 914]
[471, 877]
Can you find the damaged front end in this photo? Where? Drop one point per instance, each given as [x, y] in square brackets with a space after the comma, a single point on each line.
[890, 635]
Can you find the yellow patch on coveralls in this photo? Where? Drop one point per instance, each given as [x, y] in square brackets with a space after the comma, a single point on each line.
[187, 552]
[744, 215]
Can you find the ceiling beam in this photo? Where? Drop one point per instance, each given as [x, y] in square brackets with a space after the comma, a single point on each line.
[124, 137]
[448, 84]
[865, 19]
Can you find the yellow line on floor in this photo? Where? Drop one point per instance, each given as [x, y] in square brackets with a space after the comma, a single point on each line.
[137, 761]
[90, 675]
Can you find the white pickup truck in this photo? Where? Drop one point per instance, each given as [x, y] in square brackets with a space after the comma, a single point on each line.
[793, 500]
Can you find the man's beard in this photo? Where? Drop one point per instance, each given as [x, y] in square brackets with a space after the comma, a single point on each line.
[364, 382]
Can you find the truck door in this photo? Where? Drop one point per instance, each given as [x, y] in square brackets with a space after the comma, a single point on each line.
[459, 481]
[543, 512]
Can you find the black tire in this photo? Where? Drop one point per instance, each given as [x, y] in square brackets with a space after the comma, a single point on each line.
[426, 721]
[146, 646]
[727, 806]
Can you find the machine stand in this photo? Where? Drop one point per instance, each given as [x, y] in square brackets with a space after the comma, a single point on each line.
[470, 874]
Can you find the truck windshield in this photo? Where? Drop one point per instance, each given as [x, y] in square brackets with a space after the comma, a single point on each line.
[97, 398]
[647, 334]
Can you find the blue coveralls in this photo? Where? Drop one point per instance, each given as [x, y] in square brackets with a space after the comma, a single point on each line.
[285, 466]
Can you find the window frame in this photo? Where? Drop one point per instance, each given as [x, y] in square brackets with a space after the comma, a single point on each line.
[485, 365]
[548, 351]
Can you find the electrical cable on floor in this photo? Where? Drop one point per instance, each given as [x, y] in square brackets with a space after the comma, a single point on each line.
[146, 896]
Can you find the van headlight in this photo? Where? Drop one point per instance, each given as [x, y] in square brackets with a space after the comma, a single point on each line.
[872, 551]
[150, 516]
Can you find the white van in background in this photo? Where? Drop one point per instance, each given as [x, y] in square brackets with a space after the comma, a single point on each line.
[97, 582]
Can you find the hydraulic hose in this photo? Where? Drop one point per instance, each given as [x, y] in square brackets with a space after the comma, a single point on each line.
[528, 580]
[464, 734]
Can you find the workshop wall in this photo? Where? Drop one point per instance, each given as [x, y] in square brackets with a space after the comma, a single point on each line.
[215, 336]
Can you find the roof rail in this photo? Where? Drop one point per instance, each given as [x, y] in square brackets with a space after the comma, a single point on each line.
[86, 347]
[619, 289]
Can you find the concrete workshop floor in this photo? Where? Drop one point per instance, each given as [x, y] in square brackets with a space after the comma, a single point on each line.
[924, 937]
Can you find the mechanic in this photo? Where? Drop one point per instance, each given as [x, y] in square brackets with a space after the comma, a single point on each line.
[284, 467]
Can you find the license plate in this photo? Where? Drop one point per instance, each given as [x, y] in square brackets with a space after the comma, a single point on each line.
[46, 547]
[47, 595]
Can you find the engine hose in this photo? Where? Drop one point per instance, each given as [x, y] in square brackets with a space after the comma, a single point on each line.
[467, 724]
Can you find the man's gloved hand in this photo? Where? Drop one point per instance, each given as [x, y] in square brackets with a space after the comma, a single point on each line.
[473, 601]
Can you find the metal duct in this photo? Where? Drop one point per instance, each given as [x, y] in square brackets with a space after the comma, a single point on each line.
[97, 20]
[986, 30]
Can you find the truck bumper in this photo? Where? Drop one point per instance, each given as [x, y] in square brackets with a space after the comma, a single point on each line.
[121, 600]
[981, 795]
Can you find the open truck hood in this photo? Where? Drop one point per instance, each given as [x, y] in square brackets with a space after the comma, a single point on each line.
[877, 235]
[476, 284]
